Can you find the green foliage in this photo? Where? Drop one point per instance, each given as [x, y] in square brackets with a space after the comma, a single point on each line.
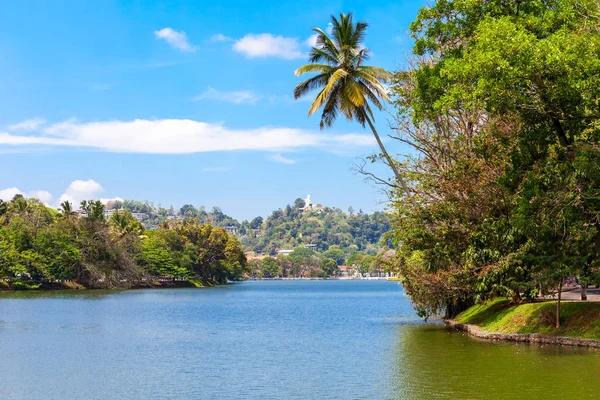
[501, 108]
[39, 245]
[270, 268]
[337, 255]
[331, 228]
[329, 267]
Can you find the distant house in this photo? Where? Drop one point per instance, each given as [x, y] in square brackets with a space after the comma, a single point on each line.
[311, 246]
[285, 252]
[109, 213]
[139, 216]
[343, 270]
[232, 229]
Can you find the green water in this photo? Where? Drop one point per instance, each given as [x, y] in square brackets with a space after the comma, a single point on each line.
[434, 363]
[265, 340]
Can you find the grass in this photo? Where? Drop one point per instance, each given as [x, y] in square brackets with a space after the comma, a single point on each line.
[578, 319]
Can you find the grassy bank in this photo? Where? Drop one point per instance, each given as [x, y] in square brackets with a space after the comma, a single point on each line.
[578, 319]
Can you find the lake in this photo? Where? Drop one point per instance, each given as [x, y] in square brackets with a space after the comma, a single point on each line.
[265, 340]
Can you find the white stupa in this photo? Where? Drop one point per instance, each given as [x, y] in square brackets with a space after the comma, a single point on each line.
[309, 206]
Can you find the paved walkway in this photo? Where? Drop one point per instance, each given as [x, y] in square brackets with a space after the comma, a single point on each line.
[593, 294]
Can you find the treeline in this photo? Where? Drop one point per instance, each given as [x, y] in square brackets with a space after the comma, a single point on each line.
[501, 106]
[307, 263]
[39, 244]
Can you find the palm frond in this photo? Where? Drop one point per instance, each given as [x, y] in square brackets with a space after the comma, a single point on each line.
[330, 110]
[352, 91]
[332, 83]
[310, 84]
[309, 68]
[377, 72]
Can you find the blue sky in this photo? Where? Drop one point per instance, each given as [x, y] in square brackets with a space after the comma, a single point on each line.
[182, 102]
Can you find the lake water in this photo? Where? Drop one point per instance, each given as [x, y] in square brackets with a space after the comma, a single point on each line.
[265, 340]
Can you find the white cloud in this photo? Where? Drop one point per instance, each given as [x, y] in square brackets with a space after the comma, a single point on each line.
[177, 40]
[28, 125]
[8, 194]
[77, 191]
[281, 159]
[237, 97]
[219, 37]
[268, 45]
[312, 40]
[329, 28]
[81, 190]
[42, 195]
[181, 136]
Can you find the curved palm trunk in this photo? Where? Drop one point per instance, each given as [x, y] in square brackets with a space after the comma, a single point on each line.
[389, 160]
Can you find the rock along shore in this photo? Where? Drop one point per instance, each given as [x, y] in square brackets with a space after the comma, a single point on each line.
[477, 332]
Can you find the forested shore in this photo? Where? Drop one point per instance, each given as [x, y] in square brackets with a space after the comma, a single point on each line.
[41, 247]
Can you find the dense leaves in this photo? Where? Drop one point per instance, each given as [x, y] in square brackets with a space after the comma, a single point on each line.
[501, 107]
[290, 227]
[41, 245]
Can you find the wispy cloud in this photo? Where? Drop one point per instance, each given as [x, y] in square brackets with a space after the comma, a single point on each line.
[236, 97]
[176, 39]
[180, 136]
[28, 125]
[281, 159]
[219, 37]
[268, 45]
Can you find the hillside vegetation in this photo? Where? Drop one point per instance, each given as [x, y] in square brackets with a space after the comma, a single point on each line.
[286, 228]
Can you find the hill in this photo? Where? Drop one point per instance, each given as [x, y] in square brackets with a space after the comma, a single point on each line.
[300, 224]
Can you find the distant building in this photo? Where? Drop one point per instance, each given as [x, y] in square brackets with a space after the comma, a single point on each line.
[139, 216]
[285, 252]
[232, 229]
[309, 206]
[311, 246]
[109, 213]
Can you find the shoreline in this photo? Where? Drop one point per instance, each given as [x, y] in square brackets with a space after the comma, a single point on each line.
[479, 333]
[72, 286]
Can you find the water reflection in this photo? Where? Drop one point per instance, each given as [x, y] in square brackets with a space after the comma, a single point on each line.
[433, 362]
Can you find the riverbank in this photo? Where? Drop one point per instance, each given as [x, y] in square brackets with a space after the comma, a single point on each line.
[532, 322]
[70, 285]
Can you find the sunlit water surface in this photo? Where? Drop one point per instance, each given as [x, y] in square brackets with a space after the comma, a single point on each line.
[265, 340]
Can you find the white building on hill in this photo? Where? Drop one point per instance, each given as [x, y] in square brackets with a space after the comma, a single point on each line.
[310, 206]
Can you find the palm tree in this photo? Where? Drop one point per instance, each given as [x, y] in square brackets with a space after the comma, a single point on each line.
[66, 208]
[347, 85]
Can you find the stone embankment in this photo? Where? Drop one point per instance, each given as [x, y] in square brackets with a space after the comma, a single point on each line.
[477, 332]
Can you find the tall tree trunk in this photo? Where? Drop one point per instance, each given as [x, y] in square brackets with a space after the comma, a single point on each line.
[389, 160]
[558, 305]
